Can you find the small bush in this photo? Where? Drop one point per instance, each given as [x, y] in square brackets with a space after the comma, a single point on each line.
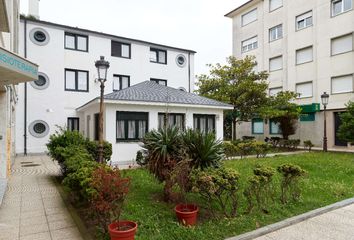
[248, 138]
[308, 145]
[292, 175]
[230, 149]
[140, 159]
[109, 190]
[218, 186]
[92, 148]
[260, 189]
[245, 148]
[261, 148]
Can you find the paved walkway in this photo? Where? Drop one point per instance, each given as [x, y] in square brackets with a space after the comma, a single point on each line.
[32, 207]
[334, 225]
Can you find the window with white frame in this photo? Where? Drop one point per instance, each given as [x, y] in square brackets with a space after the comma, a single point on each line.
[172, 120]
[249, 17]
[158, 56]
[276, 32]
[249, 44]
[76, 80]
[131, 125]
[257, 126]
[274, 4]
[342, 44]
[304, 55]
[341, 6]
[275, 91]
[120, 49]
[304, 90]
[204, 123]
[159, 81]
[275, 63]
[73, 124]
[120, 82]
[342, 84]
[76, 42]
[304, 20]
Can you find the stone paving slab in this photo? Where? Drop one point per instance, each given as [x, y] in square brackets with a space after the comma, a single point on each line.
[32, 208]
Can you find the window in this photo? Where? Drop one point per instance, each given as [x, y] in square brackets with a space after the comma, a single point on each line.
[76, 42]
[158, 56]
[275, 63]
[342, 44]
[39, 36]
[341, 6]
[76, 80]
[204, 123]
[257, 126]
[304, 89]
[73, 124]
[181, 60]
[304, 20]
[120, 82]
[42, 82]
[249, 17]
[39, 128]
[131, 125]
[342, 84]
[275, 91]
[119, 49]
[159, 81]
[276, 33]
[249, 44]
[304, 55]
[274, 127]
[274, 4]
[172, 119]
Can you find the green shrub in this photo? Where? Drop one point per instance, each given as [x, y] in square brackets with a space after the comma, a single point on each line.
[248, 138]
[260, 148]
[230, 149]
[346, 129]
[308, 145]
[260, 189]
[245, 148]
[203, 149]
[292, 175]
[218, 186]
[92, 148]
[140, 160]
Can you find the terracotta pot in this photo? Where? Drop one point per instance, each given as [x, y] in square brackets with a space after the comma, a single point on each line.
[127, 230]
[187, 214]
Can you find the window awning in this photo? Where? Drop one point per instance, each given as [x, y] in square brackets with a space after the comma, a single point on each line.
[15, 69]
[310, 108]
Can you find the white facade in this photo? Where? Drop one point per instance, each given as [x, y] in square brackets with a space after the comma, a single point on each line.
[125, 152]
[313, 47]
[54, 105]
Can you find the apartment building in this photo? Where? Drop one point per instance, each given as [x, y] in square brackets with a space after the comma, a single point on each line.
[307, 47]
[67, 75]
[13, 70]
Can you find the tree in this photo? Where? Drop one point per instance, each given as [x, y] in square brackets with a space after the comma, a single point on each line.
[283, 111]
[238, 84]
[346, 129]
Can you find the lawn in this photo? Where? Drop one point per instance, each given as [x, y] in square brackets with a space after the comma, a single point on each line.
[330, 179]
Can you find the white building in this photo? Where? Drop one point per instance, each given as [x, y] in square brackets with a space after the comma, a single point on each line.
[307, 47]
[13, 70]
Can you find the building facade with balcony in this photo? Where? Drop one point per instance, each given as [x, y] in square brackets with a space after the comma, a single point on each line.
[307, 47]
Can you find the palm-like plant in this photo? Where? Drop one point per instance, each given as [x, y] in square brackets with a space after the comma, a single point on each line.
[164, 151]
[203, 149]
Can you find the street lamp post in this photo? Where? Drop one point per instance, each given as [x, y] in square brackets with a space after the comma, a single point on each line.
[324, 99]
[102, 67]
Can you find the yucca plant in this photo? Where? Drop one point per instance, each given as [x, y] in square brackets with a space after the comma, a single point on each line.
[164, 151]
[203, 149]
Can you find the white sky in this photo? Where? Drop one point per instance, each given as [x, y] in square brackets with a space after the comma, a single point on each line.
[198, 25]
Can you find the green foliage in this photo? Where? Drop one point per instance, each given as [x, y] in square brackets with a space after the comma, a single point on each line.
[92, 148]
[291, 144]
[218, 186]
[308, 144]
[261, 148]
[140, 160]
[292, 174]
[260, 189]
[244, 148]
[273, 140]
[108, 195]
[203, 149]
[230, 149]
[346, 129]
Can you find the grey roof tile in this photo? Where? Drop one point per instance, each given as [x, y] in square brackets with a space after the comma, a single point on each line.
[150, 91]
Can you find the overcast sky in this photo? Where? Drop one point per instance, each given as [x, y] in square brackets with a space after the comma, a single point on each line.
[198, 25]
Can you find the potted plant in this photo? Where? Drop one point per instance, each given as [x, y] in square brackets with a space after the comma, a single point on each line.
[186, 212]
[109, 190]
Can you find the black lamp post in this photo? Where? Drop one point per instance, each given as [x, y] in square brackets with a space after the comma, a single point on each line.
[102, 67]
[324, 99]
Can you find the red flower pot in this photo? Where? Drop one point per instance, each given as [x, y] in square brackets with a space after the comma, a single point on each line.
[187, 214]
[122, 230]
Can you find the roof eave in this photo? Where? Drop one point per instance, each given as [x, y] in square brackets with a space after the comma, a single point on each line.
[233, 12]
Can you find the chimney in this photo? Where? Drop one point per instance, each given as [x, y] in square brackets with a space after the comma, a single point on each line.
[33, 8]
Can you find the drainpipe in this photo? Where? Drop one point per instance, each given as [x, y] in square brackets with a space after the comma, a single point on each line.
[25, 95]
[189, 72]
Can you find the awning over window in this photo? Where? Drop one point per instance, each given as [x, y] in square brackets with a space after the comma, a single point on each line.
[310, 108]
[15, 69]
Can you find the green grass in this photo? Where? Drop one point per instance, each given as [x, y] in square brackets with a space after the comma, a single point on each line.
[330, 179]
